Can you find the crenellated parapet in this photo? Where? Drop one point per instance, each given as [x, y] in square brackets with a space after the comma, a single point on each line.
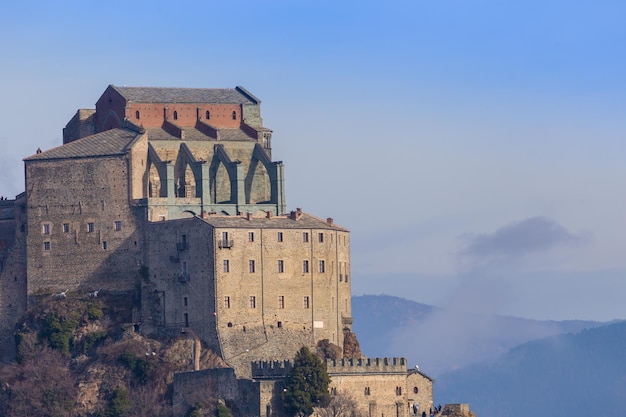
[271, 369]
[388, 366]
[366, 366]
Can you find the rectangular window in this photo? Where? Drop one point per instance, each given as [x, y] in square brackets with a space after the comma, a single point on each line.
[322, 267]
[226, 302]
[45, 229]
[281, 266]
[104, 245]
[305, 237]
[226, 265]
[252, 301]
[185, 301]
[321, 237]
[250, 236]
[281, 301]
[251, 265]
[46, 246]
[90, 227]
[305, 266]
[161, 218]
[306, 301]
[66, 227]
[118, 225]
[280, 236]
[225, 236]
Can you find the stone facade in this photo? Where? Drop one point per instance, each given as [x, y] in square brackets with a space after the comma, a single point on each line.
[269, 285]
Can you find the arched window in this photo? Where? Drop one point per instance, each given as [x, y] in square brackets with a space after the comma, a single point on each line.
[208, 115]
[137, 114]
[175, 115]
[234, 115]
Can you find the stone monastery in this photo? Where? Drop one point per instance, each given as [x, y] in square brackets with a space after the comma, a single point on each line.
[172, 193]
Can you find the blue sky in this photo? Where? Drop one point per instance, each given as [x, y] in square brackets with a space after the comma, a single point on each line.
[455, 139]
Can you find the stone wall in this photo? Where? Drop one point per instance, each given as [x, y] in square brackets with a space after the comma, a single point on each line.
[12, 272]
[82, 234]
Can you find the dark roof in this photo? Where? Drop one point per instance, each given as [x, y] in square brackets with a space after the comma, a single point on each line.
[185, 95]
[305, 221]
[110, 142]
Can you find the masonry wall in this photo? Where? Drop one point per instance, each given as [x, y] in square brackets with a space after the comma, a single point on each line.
[378, 385]
[279, 320]
[180, 289]
[82, 234]
[12, 272]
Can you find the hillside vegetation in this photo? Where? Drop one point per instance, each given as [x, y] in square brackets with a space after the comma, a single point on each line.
[81, 357]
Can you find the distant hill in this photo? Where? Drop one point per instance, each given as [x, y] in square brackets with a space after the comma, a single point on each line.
[442, 340]
[574, 375]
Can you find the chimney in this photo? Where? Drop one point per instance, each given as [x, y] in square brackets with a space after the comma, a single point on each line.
[249, 216]
[269, 214]
[204, 215]
[298, 213]
[329, 221]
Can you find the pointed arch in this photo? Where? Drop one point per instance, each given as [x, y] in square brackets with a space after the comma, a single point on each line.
[157, 175]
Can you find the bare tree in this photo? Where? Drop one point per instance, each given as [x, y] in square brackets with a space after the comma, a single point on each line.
[340, 405]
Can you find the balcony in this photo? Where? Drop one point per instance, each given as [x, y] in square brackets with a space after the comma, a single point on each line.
[225, 244]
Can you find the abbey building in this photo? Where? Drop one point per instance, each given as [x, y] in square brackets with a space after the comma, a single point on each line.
[174, 192]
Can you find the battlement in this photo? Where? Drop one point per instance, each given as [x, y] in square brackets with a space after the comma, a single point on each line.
[271, 369]
[279, 369]
[367, 366]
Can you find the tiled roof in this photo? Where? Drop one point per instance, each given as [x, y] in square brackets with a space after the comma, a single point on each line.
[183, 95]
[110, 142]
[306, 221]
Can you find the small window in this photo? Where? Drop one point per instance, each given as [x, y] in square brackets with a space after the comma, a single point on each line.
[137, 115]
[346, 277]
[340, 277]
[104, 245]
[161, 218]
[185, 301]
[208, 115]
[226, 302]
[45, 229]
[281, 301]
[367, 390]
[175, 115]
[322, 267]
[234, 115]
[252, 301]
[279, 324]
[250, 236]
[46, 246]
[415, 390]
[66, 227]
[281, 266]
[306, 301]
[251, 265]
[186, 315]
[90, 227]
[398, 390]
[118, 225]
[280, 236]
[333, 391]
[321, 237]
[226, 265]
[305, 266]
[305, 237]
